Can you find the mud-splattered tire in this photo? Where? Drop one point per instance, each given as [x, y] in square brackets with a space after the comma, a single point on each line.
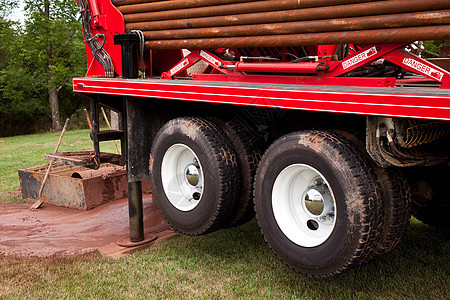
[194, 175]
[327, 168]
[396, 199]
[248, 155]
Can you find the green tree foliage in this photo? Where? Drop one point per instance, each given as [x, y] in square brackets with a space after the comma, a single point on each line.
[432, 48]
[42, 59]
[7, 33]
[6, 7]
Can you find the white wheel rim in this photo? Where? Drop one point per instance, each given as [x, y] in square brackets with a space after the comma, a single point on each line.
[303, 221]
[182, 177]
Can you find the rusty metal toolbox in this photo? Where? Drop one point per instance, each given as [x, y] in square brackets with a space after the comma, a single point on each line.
[75, 186]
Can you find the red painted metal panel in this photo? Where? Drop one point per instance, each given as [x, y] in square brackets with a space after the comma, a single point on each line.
[363, 57]
[109, 21]
[299, 80]
[372, 102]
[419, 65]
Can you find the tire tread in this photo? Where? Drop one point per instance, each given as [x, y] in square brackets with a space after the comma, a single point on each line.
[226, 164]
[367, 189]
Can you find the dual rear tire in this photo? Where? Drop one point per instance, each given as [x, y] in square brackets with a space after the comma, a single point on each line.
[194, 175]
[202, 175]
[317, 199]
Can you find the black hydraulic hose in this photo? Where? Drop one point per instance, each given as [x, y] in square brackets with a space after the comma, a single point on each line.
[96, 48]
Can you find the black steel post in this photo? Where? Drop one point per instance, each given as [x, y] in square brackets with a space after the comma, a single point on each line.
[136, 211]
[129, 45]
[95, 131]
[135, 204]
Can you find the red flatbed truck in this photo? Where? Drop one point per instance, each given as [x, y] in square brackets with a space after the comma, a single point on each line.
[328, 144]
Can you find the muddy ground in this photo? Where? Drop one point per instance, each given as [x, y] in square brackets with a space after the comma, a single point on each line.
[61, 232]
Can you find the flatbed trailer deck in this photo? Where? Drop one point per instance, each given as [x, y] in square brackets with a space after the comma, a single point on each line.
[423, 103]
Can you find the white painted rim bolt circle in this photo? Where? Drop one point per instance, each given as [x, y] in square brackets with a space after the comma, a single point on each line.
[303, 205]
[182, 177]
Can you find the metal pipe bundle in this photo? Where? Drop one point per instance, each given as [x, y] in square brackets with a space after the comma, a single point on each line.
[127, 2]
[172, 5]
[440, 17]
[324, 38]
[334, 12]
[203, 24]
[137, 13]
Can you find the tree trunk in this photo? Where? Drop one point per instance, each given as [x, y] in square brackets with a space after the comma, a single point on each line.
[53, 91]
[54, 106]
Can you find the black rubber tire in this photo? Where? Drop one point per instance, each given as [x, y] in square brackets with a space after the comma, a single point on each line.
[355, 190]
[395, 196]
[396, 199]
[248, 154]
[220, 169]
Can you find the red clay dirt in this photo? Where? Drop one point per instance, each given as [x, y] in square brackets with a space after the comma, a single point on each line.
[62, 232]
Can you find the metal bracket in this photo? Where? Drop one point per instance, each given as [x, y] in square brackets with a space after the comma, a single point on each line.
[363, 57]
[193, 57]
[416, 64]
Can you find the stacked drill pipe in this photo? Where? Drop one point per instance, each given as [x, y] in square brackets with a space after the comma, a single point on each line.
[206, 24]
[146, 12]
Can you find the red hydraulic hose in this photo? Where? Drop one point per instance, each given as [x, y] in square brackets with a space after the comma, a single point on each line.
[304, 67]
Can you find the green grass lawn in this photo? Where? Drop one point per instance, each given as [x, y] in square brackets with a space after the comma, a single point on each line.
[228, 264]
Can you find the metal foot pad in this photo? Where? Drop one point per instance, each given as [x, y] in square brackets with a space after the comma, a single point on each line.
[129, 244]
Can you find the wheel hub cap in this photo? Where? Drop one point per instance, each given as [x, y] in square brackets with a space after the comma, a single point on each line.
[303, 205]
[182, 177]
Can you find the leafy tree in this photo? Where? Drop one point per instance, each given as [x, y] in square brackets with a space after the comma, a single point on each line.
[54, 29]
[432, 48]
[7, 32]
[20, 102]
[6, 7]
[6, 35]
[46, 56]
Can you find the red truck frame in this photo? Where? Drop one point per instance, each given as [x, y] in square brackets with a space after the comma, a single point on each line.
[315, 120]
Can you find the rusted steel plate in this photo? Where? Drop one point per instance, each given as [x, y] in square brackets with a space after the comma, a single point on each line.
[360, 23]
[318, 13]
[441, 62]
[83, 158]
[445, 50]
[441, 32]
[75, 187]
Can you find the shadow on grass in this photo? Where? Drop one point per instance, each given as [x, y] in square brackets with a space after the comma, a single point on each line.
[231, 264]
[417, 268]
